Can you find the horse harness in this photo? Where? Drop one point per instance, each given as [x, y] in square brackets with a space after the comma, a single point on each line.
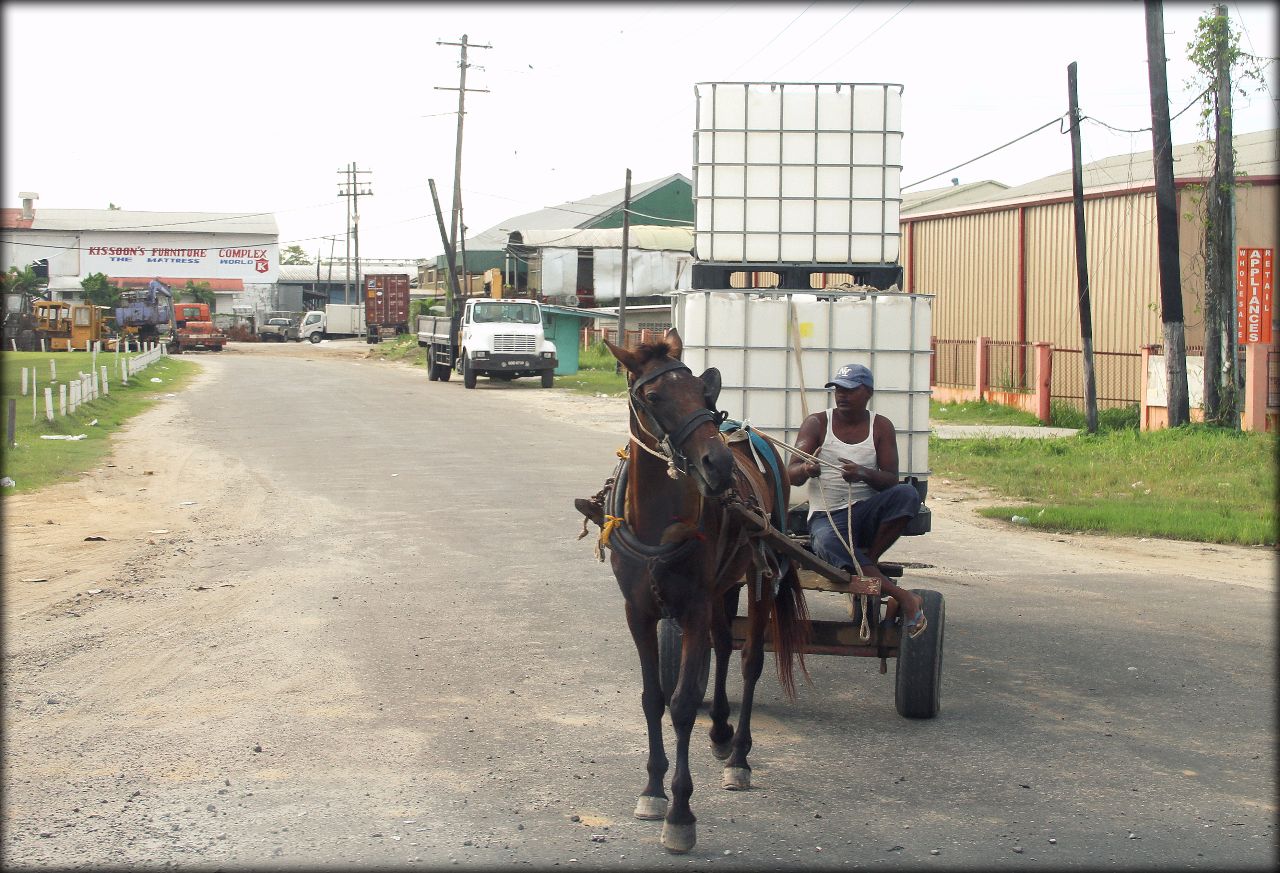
[607, 507]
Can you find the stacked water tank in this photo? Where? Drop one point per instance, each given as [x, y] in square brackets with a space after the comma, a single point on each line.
[797, 188]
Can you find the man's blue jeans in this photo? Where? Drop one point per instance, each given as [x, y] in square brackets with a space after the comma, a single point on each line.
[827, 542]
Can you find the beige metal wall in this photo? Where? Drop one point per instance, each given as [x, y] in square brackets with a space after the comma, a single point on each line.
[970, 263]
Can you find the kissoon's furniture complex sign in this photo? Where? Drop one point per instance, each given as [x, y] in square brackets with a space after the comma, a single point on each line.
[195, 257]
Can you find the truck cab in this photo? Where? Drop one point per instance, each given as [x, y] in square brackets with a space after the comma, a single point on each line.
[312, 326]
[503, 339]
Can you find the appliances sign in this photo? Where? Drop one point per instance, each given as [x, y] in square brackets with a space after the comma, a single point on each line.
[255, 263]
[1253, 295]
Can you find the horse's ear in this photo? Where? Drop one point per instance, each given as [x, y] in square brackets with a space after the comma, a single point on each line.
[710, 387]
[675, 345]
[625, 356]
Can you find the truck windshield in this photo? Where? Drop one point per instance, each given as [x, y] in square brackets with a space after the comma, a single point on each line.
[511, 313]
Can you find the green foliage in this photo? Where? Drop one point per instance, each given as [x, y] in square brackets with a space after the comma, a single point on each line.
[421, 306]
[979, 412]
[99, 291]
[1063, 414]
[112, 207]
[1193, 482]
[23, 280]
[198, 292]
[294, 255]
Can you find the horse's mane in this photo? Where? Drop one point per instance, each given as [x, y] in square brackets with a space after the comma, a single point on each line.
[649, 351]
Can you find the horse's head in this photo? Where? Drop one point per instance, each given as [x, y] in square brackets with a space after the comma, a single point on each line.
[679, 409]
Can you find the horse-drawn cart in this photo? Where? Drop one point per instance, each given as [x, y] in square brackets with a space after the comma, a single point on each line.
[918, 678]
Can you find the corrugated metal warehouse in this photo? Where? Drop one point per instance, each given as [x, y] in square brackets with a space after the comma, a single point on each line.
[1004, 267]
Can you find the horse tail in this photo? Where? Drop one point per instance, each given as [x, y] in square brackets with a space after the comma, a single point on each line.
[791, 630]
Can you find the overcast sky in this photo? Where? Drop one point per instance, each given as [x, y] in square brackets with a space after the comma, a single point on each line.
[247, 108]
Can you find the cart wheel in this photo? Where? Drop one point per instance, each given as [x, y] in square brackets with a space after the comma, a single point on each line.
[548, 378]
[918, 686]
[670, 644]
[468, 374]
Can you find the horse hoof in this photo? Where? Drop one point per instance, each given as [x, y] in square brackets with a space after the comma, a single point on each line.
[678, 839]
[722, 750]
[736, 779]
[651, 808]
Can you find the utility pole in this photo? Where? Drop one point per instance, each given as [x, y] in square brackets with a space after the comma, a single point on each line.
[1221, 397]
[622, 287]
[1175, 342]
[352, 189]
[1082, 263]
[462, 89]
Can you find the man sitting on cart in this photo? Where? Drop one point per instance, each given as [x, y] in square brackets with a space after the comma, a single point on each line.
[854, 487]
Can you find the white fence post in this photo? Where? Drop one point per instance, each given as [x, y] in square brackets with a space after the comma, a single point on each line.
[24, 381]
[48, 403]
[106, 389]
[62, 399]
[53, 368]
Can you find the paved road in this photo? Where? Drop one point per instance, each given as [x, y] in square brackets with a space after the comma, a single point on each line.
[434, 669]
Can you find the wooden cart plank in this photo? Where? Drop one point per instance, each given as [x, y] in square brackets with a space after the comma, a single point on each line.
[831, 638]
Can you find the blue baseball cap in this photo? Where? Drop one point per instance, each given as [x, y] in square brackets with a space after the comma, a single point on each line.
[851, 376]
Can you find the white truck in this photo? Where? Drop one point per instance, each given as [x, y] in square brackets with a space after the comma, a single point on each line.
[502, 339]
[341, 319]
[311, 326]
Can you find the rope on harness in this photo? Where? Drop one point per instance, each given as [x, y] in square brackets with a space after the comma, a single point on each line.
[610, 523]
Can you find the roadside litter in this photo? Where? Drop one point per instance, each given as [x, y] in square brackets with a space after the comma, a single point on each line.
[62, 436]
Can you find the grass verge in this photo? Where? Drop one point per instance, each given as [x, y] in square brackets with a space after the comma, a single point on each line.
[596, 365]
[1191, 483]
[35, 462]
[403, 347]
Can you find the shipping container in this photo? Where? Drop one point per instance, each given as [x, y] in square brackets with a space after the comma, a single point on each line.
[386, 301]
[797, 173]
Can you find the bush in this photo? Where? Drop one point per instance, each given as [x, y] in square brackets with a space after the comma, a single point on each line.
[1064, 414]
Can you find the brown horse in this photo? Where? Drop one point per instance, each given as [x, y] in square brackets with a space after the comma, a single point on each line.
[680, 552]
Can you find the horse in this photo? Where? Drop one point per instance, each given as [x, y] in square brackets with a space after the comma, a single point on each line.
[679, 551]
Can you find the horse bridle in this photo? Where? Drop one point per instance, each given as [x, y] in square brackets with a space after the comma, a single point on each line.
[672, 442]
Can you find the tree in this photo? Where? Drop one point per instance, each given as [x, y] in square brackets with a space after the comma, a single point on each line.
[199, 292]
[99, 291]
[23, 280]
[294, 255]
[113, 207]
[1219, 66]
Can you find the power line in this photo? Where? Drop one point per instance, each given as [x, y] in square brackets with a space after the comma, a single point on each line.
[772, 41]
[985, 154]
[861, 41]
[816, 41]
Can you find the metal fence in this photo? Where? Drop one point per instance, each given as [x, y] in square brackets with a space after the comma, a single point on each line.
[1273, 380]
[1010, 365]
[1117, 378]
[952, 363]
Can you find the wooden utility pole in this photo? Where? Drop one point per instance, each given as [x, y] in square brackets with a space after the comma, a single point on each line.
[1082, 264]
[1221, 397]
[1175, 346]
[456, 219]
[622, 287]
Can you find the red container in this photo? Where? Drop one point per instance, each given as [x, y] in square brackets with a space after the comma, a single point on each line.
[386, 301]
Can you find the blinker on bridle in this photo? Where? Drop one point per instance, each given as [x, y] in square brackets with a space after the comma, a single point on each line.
[674, 440]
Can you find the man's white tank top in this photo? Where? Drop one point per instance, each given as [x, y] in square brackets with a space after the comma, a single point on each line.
[829, 490]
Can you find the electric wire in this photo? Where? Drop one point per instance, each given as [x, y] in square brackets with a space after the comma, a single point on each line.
[864, 39]
[852, 9]
[1053, 121]
[757, 52]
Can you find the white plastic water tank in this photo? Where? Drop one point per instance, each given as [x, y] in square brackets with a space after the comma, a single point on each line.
[801, 173]
[775, 351]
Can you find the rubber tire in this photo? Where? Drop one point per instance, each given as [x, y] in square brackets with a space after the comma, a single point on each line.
[548, 378]
[315, 338]
[468, 373]
[433, 372]
[445, 371]
[215, 348]
[918, 678]
[670, 645]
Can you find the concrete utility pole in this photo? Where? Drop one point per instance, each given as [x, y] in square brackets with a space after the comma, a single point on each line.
[1175, 343]
[352, 190]
[1221, 395]
[462, 89]
[1082, 264]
